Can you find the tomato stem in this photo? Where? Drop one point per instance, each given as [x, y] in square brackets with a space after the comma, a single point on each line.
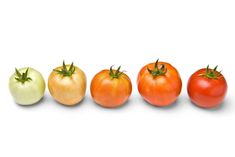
[66, 72]
[158, 71]
[212, 73]
[115, 74]
[22, 77]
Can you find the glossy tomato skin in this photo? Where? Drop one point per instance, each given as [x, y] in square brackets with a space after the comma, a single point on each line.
[67, 90]
[162, 90]
[110, 92]
[29, 92]
[206, 92]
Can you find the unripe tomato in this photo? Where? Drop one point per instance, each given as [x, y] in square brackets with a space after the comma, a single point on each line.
[159, 83]
[27, 86]
[67, 84]
[207, 88]
[110, 88]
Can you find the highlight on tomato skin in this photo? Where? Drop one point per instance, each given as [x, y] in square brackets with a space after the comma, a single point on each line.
[159, 83]
[111, 88]
[207, 88]
[27, 86]
[67, 84]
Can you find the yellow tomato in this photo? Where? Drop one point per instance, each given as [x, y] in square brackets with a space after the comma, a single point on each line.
[67, 84]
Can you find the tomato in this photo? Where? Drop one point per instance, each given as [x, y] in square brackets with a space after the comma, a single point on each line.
[27, 86]
[159, 83]
[110, 88]
[67, 84]
[207, 88]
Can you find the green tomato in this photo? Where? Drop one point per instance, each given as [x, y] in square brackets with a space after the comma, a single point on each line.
[27, 86]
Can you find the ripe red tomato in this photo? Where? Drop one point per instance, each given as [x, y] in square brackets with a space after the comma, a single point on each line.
[207, 88]
[159, 83]
[110, 88]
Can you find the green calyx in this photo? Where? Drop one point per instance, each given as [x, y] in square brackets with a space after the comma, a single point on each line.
[212, 73]
[22, 77]
[115, 74]
[66, 72]
[158, 71]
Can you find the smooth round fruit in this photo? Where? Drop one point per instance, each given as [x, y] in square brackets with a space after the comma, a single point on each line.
[27, 86]
[207, 88]
[110, 88]
[159, 83]
[67, 84]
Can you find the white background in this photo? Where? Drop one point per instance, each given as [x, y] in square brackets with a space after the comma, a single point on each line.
[95, 35]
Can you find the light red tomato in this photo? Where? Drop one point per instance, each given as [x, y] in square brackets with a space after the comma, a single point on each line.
[159, 83]
[207, 88]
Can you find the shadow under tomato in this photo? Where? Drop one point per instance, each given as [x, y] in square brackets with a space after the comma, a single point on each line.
[113, 108]
[169, 107]
[70, 106]
[39, 103]
[222, 107]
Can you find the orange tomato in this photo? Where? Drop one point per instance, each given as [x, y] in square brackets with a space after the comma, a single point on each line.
[110, 88]
[159, 83]
[67, 84]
